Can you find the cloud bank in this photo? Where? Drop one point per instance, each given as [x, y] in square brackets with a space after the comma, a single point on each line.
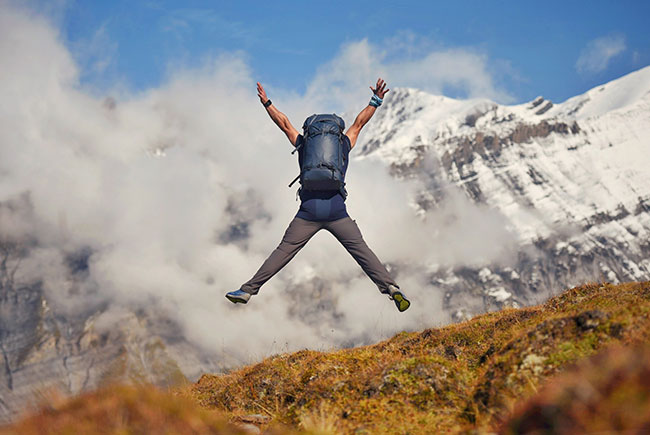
[598, 53]
[462, 72]
[173, 196]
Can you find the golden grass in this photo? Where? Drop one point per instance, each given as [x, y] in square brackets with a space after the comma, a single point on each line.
[466, 376]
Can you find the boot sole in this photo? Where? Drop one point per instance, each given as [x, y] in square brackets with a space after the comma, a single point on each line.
[401, 302]
[236, 300]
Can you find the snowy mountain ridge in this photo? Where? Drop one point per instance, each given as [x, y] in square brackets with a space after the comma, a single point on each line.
[580, 164]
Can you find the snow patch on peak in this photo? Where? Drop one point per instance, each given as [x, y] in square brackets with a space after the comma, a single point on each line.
[617, 94]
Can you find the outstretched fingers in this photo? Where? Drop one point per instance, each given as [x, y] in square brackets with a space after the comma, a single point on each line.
[261, 93]
[380, 88]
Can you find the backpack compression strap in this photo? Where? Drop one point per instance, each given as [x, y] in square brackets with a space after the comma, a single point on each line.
[294, 180]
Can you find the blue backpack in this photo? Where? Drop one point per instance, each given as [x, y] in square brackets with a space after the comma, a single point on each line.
[323, 157]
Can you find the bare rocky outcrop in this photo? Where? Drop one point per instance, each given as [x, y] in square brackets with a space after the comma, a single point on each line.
[488, 144]
[42, 349]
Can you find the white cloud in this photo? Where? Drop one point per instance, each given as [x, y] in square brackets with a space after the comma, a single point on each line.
[595, 57]
[82, 174]
[343, 82]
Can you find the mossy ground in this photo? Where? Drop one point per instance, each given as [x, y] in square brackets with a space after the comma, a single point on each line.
[460, 377]
[468, 377]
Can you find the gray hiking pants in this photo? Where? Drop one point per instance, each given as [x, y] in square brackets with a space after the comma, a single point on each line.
[298, 234]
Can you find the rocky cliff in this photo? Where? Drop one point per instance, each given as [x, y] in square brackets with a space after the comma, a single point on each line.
[45, 350]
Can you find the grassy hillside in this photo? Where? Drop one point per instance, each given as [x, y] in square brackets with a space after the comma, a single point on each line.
[511, 371]
[463, 376]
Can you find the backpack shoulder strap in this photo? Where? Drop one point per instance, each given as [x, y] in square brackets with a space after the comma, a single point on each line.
[297, 147]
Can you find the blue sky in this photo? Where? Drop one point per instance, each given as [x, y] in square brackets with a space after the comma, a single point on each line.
[555, 48]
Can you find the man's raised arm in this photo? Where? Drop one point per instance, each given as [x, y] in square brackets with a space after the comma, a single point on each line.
[278, 117]
[364, 116]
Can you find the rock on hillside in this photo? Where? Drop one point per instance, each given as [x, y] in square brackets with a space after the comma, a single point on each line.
[587, 398]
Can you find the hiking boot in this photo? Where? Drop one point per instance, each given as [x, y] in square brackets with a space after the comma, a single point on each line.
[399, 298]
[238, 296]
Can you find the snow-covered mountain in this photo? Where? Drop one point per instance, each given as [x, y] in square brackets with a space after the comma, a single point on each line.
[571, 179]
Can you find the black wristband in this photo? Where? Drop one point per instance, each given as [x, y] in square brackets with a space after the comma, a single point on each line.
[268, 103]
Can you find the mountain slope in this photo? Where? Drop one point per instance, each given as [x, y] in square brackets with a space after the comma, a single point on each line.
[462, 376]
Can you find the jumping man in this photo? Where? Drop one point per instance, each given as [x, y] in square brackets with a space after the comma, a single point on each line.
[323, 152]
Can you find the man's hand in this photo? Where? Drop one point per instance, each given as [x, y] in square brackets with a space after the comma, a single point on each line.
[364, 116]
[262, 94]
[379, 90]
[278, 117]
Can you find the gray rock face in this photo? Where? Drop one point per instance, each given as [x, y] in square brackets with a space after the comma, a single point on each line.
[44, 351]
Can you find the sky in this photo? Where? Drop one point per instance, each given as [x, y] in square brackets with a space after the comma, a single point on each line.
[557, 49]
